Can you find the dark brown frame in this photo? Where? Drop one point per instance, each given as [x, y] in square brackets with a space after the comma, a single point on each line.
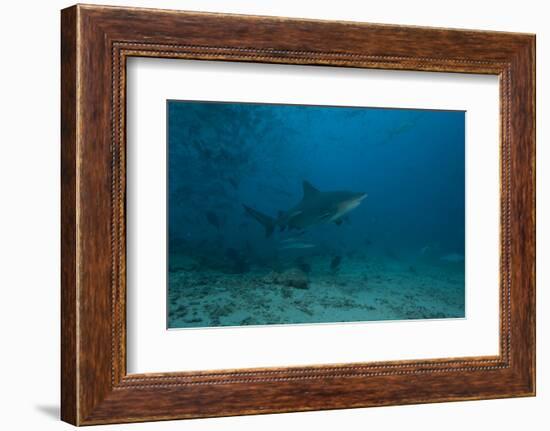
[95, 42]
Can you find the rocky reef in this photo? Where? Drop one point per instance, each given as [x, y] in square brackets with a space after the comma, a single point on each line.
[292, 277]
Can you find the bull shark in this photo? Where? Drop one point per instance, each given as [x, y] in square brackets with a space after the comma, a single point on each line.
[316, 207]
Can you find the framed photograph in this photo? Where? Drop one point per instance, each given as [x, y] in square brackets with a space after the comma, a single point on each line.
[264, 215]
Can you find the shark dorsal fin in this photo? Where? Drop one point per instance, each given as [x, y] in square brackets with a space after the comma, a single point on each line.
[309, 190]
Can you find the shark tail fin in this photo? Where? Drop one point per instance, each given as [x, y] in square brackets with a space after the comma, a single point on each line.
[267, 222]
[280, 221]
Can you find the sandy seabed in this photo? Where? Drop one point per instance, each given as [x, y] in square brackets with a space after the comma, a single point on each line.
[376, 290]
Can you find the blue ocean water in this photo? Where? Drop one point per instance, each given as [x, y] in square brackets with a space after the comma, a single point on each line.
[397, 253]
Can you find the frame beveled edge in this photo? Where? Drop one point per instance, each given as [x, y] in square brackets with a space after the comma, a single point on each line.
[96, 41]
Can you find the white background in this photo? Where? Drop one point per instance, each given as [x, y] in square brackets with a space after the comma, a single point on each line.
[29, 215]
[151, 348]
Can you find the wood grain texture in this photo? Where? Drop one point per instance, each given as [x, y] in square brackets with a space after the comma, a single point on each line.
[96, 41]
[69, 366]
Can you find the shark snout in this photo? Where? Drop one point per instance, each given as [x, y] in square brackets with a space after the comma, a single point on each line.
[357, 199]
[351, 203]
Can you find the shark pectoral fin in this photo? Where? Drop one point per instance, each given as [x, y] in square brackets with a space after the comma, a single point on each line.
[341, 220]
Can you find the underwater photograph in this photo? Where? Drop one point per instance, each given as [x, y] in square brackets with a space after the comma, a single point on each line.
[300, 214]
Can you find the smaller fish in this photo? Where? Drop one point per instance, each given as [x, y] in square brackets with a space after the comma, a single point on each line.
[232, 254]
[302, 265]
[292, 238]
[213, 219]
[453, 258]
[335, 263]
[287, 240]
[239, 264]
[296, 246]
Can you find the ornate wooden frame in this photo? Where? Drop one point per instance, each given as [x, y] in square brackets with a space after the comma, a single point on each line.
[95, 42]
